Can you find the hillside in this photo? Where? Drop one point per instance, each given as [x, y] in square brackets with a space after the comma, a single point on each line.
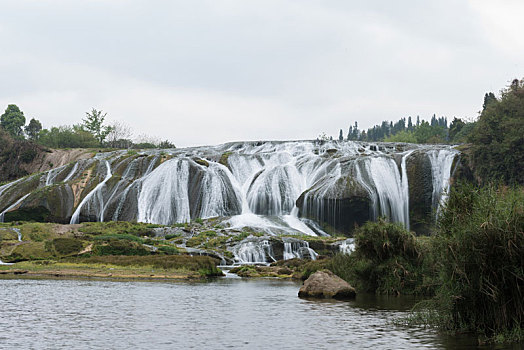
[19, 158]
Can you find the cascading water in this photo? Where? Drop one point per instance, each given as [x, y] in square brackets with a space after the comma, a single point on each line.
[253, 251]
[441, 162]
[294, 248]
[11, 207]
[94, 195]
[347, 246]
[273, 187]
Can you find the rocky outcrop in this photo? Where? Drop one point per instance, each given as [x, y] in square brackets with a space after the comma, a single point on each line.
[418, 168]
[19, 158]
[325, 284]
[338, 206]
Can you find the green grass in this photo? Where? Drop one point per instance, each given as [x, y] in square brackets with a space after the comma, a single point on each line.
[118, 227]
[205, 265]
[480, 256]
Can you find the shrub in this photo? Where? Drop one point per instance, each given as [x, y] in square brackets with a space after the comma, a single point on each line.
[168, 250]
[480, 247]
[120, 247]
[387, 260]
[66, 246]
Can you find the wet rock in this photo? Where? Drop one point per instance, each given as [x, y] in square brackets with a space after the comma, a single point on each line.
[420, 181]
[337, 206]
[325, 284]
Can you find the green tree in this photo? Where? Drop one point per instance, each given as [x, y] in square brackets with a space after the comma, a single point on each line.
[33, 128]
[455, 127]
[488, 99]
[67, 137]
[425, 133]
[402, 136]
[94, 123]
[12, 121]
[498, 137]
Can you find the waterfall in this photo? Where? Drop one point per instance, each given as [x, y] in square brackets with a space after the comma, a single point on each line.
[386, 183]
[347, 246]
[164, 196]
[14, 205]
[71, 173]
[96, 194]
[19, 234]
[252, 251]
[52, 174]
[441, 162]
[405, 189]
[297, 249]
[295, 187]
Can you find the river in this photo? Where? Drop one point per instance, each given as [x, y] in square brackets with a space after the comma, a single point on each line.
[222, 313]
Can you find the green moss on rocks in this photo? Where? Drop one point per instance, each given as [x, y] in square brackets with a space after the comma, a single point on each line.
[28, 214]
[202, 162]
[224, 158]
[65, 246]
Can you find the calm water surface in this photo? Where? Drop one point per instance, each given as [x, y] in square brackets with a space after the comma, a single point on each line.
[224, 313]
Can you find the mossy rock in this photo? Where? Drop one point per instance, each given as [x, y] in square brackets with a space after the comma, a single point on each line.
[29, 251]
[39, 214]
[202, 162]
[224, 158]
[65, 246]
[344, 205]
[120, 247]
[418, 168]
[7, 234]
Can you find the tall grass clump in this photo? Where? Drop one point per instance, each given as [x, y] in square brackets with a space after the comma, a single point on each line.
[387, 260]
[480, 255]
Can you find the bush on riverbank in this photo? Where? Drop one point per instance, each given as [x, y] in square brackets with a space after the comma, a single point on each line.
[480, 254]
[387, 260]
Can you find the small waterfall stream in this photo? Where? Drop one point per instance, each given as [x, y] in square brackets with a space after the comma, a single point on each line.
[12, 206]
[94, 194]
[253, 251]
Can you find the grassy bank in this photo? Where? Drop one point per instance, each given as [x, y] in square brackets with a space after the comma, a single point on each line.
[114, 249]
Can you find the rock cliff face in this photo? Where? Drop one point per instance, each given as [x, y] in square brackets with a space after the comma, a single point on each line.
[19, 158]
[272, 187]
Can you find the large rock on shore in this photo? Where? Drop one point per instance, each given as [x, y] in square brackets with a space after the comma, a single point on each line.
[325, 284]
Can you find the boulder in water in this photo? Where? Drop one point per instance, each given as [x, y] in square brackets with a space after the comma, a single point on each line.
[325, 284]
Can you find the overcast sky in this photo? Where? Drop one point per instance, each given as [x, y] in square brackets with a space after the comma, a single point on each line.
[207, 72]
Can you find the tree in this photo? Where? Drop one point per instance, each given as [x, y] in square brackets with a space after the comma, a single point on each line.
[455, 127]
[488, 99]
[12, 121]
[94, 123]
[33, 128]
[498, 138]
[67, 137]
[341, 136]
[355, 131]
[120, 135]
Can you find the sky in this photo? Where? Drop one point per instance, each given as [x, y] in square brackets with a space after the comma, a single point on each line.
[205, 72]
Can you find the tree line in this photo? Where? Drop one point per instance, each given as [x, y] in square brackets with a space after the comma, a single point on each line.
[92, 132]
[437, 130]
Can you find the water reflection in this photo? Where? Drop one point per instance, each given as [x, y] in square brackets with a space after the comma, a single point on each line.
[237, 313]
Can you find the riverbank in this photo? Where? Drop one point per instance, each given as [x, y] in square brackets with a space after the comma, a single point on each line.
[47, 269]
